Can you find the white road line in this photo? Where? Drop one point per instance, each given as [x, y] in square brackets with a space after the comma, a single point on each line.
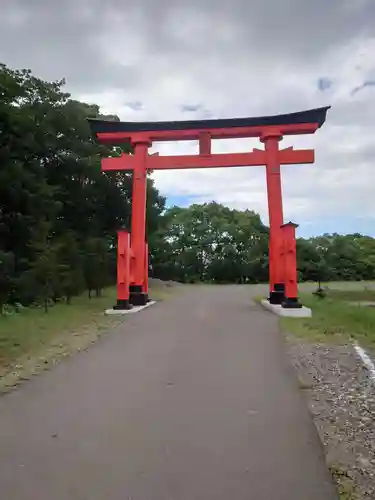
[366, 360]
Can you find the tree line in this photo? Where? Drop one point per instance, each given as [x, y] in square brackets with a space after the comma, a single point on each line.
[59, 213]
[213, 243]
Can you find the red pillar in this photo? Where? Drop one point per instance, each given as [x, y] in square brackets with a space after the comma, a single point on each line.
[275, 210]
[146, 269]
[123, 269]
[290, 265]
[138, 287]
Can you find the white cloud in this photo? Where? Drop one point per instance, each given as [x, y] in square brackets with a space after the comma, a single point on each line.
[249, 59]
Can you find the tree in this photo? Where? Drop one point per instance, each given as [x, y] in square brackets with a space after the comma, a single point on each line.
[213, 243]
[50, 173]
[71, 272]
[44, 268]
[96, 263]
[7, 276]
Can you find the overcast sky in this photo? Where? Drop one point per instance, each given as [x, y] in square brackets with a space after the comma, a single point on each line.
[164, 59]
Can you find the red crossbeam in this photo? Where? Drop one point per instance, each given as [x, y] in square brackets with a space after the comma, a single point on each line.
[219, 133]
[256, 158]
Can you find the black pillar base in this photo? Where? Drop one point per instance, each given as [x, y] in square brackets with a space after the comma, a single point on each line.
[138, 299]
[291, 303]
[122, 305]
[278, 295]
[137, 296]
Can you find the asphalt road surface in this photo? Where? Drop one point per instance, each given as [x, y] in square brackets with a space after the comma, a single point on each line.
[191, 399]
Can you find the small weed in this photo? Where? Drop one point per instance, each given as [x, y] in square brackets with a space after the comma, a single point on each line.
[304, 386]
[345, 484]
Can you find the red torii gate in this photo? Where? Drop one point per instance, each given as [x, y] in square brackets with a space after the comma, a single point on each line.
[132, 271]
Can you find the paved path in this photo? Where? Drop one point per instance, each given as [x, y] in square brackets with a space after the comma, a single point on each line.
[191, 399]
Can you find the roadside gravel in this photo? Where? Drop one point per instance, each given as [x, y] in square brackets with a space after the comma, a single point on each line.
[341, 397]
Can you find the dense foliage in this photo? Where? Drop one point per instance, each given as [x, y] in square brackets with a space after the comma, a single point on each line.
[211, 242]
[216, 244]
[59, 213]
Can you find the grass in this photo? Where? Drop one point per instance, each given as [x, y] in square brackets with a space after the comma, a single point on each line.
[336, 318]
[33, 340]
[338, 285]
[345, 484]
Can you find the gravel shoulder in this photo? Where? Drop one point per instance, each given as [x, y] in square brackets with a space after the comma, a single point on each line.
[341, 398]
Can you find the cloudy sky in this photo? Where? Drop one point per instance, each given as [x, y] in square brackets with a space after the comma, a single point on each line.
[165, 59]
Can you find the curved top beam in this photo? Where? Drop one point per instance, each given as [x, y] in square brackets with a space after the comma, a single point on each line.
[316, 116]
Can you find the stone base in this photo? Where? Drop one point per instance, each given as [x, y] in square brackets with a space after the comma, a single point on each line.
[299, 312]
[131, 310]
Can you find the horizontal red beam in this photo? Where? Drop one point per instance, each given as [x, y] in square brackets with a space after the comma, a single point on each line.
[255, 158]
[219, 133]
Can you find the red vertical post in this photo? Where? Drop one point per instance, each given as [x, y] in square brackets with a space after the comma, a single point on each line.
[205, 144]
[290, 265]
[138, 295]
[123, 269]
[146, 269]
[275, 210]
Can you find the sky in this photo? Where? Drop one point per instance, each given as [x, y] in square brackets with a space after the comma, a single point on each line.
[176, 60]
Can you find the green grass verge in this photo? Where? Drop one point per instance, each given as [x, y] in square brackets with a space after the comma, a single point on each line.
[336, 318]
[32, 340]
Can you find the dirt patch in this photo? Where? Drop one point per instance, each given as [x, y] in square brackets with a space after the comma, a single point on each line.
[341, 397]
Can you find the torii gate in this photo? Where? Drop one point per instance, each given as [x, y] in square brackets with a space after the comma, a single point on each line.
[132, 268]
